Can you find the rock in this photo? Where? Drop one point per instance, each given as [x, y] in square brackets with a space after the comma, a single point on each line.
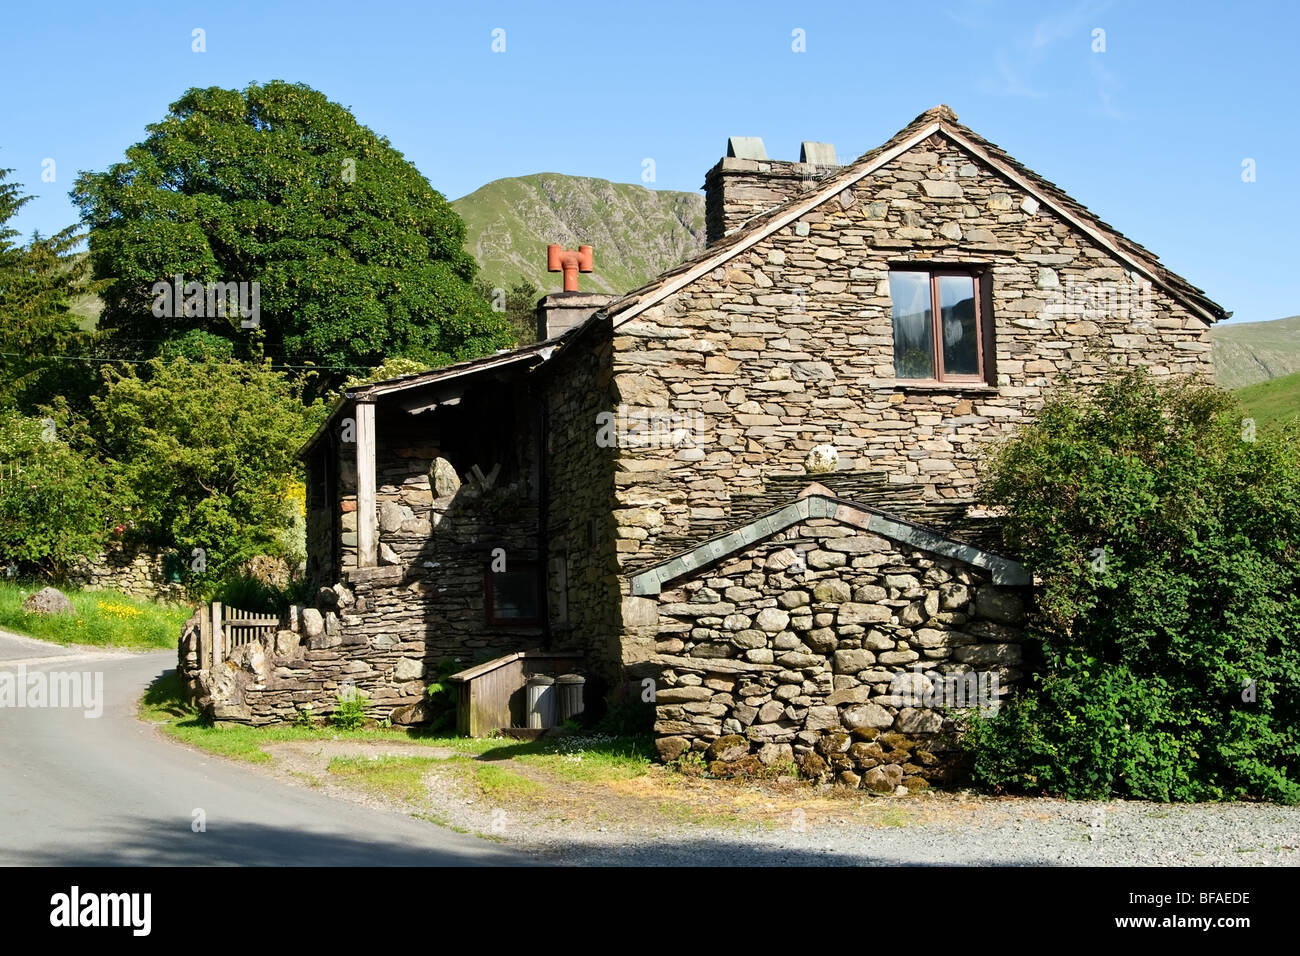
[822, 459]
[850, 695]
[407, 669]
[836, 743]
[914, 783]
[793, 599]
[847, 778]
[728, 748]
[392, 515]
[831, 592]
[883, 779]
[444, 479]
[953, 596]
[812, 766]
[387, 555]
[670, 748]
[682, 695]
[770, 711]
[772, 619]
[876, 641]
[852, 661]
[866, 715]
[823, 640]
[327, 598]
[821, 560]
[421, 712]
[313, 625]
[47, 601]
[822, 718]
[988, 654]
[919, 720]
[863, 614]
[771, 754]
[285, 643]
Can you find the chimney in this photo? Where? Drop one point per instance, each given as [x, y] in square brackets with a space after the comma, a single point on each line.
[746, 183]
[561, 311]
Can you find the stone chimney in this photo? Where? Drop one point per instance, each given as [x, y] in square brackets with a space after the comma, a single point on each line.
[561, 311]
[746, 183]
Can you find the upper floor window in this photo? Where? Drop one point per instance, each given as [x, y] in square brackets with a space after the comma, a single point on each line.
[940, 327]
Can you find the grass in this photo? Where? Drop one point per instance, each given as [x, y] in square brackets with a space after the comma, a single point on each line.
[571, 758]
[400, 778]
[1273, 402]
[501, 784]
[102, 618]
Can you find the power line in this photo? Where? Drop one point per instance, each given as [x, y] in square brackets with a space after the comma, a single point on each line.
[125, 361]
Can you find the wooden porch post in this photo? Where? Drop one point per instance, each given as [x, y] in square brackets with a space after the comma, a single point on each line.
[367, 532]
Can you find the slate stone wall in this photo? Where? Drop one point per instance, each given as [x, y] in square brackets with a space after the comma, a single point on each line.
[834, 649]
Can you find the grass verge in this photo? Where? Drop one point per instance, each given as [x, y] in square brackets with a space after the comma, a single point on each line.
[101, 618]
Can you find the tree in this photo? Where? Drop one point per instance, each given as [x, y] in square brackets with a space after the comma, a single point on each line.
[53, 503]
[356, 257]
[203, 453]
[518, 304]
[37, 282]
[1166, 537]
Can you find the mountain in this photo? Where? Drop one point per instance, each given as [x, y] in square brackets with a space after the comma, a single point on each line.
[636, 233]
[1250, 352]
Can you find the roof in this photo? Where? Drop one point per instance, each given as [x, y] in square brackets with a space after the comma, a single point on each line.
[938, 120]
[533, 354]
[815, 504]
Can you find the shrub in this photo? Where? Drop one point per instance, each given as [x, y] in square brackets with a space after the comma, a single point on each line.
[1166, 538]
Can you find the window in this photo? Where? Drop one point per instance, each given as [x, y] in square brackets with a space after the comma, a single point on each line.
[940, 327]
[510, 597]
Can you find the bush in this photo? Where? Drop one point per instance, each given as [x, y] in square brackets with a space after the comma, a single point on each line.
[53, 509]
[1166, 539]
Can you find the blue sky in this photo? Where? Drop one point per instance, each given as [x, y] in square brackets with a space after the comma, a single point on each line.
[1150, 133]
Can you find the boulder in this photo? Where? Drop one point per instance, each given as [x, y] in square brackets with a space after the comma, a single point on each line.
[421, 712]
[47, 601]
[670, 748]
[408, 669]
[866, 715]
[444, 479]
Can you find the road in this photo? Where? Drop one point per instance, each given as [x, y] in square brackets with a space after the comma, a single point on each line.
[77, 790]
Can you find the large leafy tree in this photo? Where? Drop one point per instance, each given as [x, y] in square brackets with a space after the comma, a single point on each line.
[357, 257]
[38, 280]
[1166, 538]
[202, 453]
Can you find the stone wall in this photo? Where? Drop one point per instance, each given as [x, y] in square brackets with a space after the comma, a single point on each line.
[581, 536]
[835, 649]
[789, 345]
[736, 189]
[127, 569]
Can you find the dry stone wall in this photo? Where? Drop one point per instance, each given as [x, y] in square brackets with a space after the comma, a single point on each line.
[836, 650]
[128, 570]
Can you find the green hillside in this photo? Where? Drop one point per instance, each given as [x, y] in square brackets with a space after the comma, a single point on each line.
[1251, 352]
[636, 232]
[1272, 402]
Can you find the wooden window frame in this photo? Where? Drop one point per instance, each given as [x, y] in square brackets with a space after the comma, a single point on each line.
[489, 593]
[979, 275]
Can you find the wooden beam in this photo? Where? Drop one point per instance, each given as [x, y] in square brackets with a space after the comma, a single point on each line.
[367, 523]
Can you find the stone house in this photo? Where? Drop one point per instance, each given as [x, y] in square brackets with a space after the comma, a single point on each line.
[748, 484]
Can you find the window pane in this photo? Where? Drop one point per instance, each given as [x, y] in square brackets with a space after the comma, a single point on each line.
[913, 332]
[514, 594]
[960, 337]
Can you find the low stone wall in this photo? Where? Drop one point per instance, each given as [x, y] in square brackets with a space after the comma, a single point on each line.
[129, 570]
[834, 649]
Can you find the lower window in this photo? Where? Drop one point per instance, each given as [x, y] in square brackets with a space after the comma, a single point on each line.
[510, 597]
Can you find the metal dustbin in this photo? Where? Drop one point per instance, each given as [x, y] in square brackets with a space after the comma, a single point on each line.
[568, 691]
[541, 702]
